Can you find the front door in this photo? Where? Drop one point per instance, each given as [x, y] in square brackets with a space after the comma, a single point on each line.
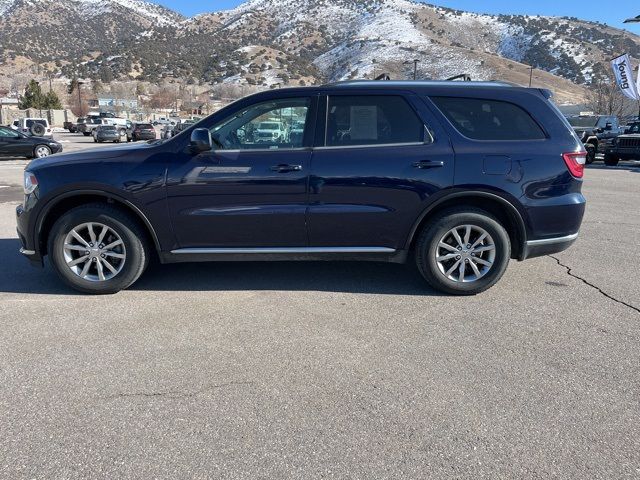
[251, 190]
[380, 161]
[11, 143]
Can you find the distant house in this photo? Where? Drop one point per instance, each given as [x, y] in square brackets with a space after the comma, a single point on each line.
[7, 102]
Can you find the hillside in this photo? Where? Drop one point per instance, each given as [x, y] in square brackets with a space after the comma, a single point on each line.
[268, 42]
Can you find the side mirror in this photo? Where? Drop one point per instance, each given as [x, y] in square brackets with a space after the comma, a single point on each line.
[200, 140]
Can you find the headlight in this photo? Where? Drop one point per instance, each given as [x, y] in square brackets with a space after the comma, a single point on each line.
[30, 183]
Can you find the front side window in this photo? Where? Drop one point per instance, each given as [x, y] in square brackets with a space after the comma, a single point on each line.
[372, 120]
[8, 133]
[278, 124]
[481, 119]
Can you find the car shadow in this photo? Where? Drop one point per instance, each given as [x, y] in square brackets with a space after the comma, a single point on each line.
[635, 168]
[17, 276]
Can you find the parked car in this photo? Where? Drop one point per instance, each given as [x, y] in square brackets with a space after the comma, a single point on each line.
[143, 131]
[271, 131]
[183, 125]
[596, 132]
[107, 133]
[163, 121]
[71, 127]
[459, 177]
[624, 147]
[17, 144]
[89, 125]
[38, 127]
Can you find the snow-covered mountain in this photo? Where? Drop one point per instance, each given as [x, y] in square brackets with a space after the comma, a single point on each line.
[265, 42]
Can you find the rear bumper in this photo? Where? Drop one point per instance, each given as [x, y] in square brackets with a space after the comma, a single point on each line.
[547, 246]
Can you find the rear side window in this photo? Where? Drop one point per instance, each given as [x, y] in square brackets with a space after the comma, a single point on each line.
[372, 120]
[481, 119]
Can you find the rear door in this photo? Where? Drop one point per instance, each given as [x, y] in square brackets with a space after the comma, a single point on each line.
[379, 158]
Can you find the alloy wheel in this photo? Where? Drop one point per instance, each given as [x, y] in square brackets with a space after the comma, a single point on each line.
[42, 151]
[94, 252]
[465, 253]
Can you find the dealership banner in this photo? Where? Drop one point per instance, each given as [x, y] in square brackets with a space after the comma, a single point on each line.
[624, 76]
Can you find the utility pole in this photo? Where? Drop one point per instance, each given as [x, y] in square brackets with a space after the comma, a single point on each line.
[530, 76]
[80, 109]
[415, 67]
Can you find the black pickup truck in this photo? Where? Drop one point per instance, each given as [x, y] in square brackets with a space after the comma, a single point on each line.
[625, 146]
[597, 132]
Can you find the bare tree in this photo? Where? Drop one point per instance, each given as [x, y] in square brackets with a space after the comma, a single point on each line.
[604, 98]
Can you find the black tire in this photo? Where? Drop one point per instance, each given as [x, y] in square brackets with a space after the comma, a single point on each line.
[132, 235]
[591, 153]
[38, 130]
[432, 233]
[95, 140]
[44, 148]
[86, 134]
[611, 160]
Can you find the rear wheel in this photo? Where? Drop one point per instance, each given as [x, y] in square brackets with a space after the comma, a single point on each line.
[611, 160]
[97, 249]
[463, 251]
[86, 134]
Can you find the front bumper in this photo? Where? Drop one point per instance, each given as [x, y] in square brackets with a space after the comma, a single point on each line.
[624, 153]
[28, 247]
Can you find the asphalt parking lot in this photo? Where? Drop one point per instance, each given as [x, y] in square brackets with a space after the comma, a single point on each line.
[329, 370]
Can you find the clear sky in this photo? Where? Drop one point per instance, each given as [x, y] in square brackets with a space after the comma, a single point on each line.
[607, 11]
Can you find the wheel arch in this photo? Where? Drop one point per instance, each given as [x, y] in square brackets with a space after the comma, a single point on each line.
[501, 208]
[65, 202]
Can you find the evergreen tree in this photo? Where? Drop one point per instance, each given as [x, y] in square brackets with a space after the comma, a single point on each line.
[33, 97]
[106, 74]
[52, 102]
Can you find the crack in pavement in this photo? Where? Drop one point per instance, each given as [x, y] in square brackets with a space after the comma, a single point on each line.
[173, 394]
[610, 297]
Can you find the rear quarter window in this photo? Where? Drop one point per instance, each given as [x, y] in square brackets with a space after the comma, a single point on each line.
[481, 119]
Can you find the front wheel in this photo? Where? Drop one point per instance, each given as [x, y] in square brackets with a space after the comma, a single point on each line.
[41, 151]
[97, 249]
[463, 251]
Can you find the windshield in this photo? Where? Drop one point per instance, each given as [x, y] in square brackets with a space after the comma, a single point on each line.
[144, 125]
[107, 127]
[583, 121]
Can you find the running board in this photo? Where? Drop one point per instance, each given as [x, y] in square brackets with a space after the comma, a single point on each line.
[252, 254]
[280, 250]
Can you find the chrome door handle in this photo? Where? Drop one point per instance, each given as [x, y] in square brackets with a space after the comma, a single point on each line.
[424, 164]
[286, 168]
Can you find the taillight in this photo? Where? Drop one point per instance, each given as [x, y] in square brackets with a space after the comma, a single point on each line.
[575, 162]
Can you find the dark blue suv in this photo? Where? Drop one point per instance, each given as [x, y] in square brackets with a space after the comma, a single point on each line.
[458, 177]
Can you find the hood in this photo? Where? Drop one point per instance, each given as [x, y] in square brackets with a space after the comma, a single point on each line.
[93, 155]
[584, 129]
